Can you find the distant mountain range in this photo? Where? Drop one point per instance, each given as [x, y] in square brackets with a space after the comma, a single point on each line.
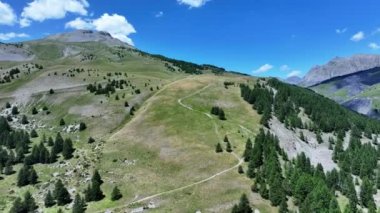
[353, 82]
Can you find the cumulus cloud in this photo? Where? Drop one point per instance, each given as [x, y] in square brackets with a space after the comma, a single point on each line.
[341, 31]
[117, 25]
[9, 36]
[41, 10]
[294, 73]
[159, 14]
[193, 3]
[358, 36]
[264, 68]
[7, 15]
[374, 46]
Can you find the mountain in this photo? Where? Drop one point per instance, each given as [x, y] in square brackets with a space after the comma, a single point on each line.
[80, 36]
[293, 80]
[340, 67]
[130, 131]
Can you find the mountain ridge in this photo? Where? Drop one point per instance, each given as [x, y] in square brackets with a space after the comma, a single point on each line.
[340, 66]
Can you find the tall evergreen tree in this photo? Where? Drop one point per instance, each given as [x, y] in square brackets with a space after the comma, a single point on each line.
[228, 147]
[248, 150]
[218, 148]
[29, 202]
[116, 194]
[67, 149]
[61, 194]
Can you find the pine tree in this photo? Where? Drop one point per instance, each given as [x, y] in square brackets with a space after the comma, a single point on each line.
[22, 177]
[33, 177]
[240, 170]
[7, 105]
[15, 111]
[218, 148]
[29, 202]
[222, 116]
[228, 147]
[49, 200]
[50, 141]
[62, 122]
[51, 91]
[96, 177]
[248, 150]
[91, 140]
[58, 144]
[24, 120]
[34, 111]
[61, 194]
[82, 126]
[79, 205]
[68, 150]
[226, 139]
[116, 194]
[96, 192]
[33, 134]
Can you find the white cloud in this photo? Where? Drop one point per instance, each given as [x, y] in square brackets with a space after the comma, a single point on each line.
[9, 36]
[79, 23]
[374, 46]
[193, 3]
[159, 14]
[358, 36]
[117, 25]
[7, 15]
[40, 10]
[284, 68]
[263, 68]
[294, 73]
[341, 31]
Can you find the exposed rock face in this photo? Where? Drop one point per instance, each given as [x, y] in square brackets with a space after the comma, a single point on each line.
[339, 67]
[15, 52]
[88, 36]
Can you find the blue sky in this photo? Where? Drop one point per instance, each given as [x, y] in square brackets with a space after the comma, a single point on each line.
[258, 37]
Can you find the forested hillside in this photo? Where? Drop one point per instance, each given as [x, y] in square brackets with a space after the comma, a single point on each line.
[296, 181]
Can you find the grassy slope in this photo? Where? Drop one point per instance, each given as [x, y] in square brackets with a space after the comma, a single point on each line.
[174, 146]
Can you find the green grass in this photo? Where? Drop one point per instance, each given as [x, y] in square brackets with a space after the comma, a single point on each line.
[174, 146]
